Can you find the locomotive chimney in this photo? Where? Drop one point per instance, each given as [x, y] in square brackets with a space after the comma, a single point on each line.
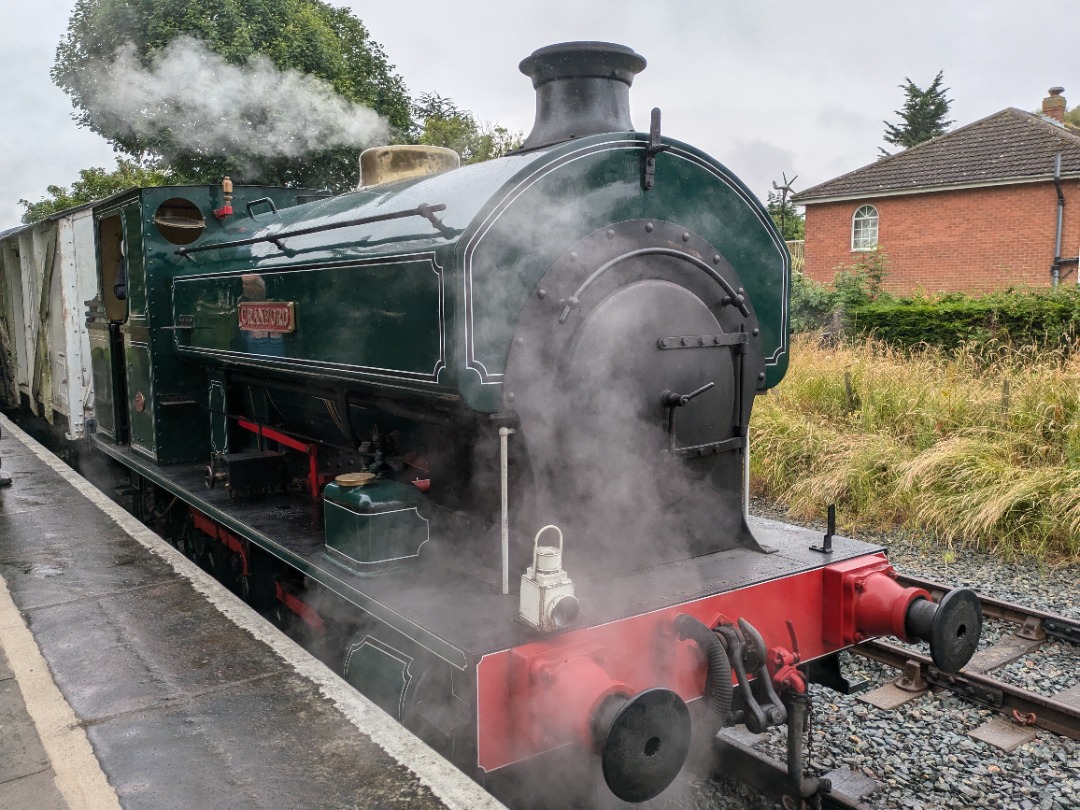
[582, 88]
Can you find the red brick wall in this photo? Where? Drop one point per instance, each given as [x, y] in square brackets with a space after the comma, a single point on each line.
[977, 240]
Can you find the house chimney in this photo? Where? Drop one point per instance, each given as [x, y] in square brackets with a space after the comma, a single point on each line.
[1054, 105]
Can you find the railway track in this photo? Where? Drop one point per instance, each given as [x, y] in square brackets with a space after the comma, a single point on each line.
[1058, 713]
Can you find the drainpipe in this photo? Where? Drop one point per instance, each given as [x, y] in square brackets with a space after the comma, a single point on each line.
[1055, 268]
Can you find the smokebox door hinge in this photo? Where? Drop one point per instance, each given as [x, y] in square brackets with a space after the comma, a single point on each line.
[648, 165]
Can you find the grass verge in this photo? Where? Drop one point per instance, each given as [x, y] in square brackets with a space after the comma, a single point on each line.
[980, 446]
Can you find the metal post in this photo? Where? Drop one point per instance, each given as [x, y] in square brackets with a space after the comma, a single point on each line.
[746, 476]
[504, 465]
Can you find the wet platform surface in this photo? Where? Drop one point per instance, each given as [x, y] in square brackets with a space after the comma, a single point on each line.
[187, 698]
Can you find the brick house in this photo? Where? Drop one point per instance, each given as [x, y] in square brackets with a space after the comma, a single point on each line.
[974, 210]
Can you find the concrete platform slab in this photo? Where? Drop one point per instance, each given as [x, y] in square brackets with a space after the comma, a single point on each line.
[23, 753]
[6, 673]
[37, 791]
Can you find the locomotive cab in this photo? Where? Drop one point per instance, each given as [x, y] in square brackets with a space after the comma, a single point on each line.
[143, 397]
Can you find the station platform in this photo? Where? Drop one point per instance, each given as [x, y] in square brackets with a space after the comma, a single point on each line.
[130, 678]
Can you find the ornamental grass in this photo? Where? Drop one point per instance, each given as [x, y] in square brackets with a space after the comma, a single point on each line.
[979, 446]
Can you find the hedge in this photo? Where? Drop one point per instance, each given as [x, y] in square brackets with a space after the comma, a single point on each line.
[1049, 318]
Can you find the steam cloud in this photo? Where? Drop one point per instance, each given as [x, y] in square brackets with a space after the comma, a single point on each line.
[211, 106]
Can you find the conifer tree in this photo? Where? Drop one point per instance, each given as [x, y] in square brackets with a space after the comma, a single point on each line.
[922, 116]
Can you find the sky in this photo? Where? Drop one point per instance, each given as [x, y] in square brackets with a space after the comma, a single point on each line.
[767, 87]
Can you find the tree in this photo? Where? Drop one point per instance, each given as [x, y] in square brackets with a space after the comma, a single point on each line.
[1072, 117]
[95, 184]
[922, 116]
[264, 90]
[789, 221]
[441, 123]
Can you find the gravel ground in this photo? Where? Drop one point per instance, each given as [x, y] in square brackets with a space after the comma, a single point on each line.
[922, 753]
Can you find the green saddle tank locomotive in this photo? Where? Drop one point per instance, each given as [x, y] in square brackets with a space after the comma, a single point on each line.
[487, 426]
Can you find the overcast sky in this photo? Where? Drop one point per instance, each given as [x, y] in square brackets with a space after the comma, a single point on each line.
[765, 86]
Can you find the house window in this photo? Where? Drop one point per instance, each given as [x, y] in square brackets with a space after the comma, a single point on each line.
[864, 228]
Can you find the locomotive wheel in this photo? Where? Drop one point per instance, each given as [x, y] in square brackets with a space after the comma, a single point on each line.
[182, 539]
[433, 712]
[195, 548]
[280, 615]
[209, 560]
[218, 564]
[257, 588]
[234, 572]
[185, 545]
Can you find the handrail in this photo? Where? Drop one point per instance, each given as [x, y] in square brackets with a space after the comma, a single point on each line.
[423, 210]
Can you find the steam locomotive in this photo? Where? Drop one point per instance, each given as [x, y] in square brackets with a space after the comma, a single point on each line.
[486, 427]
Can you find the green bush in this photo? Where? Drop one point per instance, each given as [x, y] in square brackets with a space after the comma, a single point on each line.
[861, 283]
[1047, 318]
[813, 303]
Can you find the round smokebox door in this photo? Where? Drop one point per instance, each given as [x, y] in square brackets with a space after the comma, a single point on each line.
[616, 373]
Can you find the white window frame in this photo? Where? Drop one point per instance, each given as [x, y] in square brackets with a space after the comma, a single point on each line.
[864, 228]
